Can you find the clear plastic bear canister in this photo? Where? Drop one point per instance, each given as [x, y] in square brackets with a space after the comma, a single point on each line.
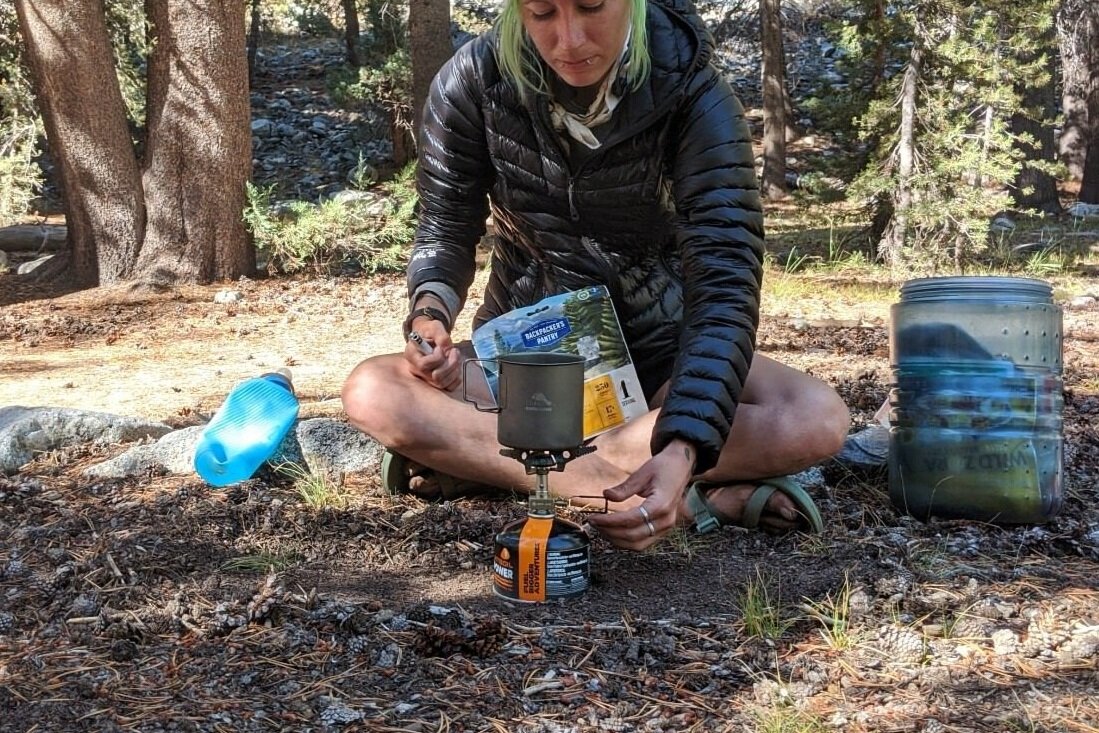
[976, 400]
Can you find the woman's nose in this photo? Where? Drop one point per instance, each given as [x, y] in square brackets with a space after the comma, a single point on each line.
[571, 31]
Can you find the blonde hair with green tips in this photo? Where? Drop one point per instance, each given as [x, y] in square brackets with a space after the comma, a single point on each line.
[519, 60]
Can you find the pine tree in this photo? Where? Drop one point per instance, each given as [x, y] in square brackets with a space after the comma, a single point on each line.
[611, 346]
[583, 318]
[946, 154]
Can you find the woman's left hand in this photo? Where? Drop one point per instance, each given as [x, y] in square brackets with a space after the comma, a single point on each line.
[660, 482]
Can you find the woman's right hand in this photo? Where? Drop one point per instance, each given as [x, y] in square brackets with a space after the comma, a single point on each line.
[442, 368]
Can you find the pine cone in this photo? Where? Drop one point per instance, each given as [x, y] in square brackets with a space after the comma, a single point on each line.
[971, 627]
[358, 644]
[224, 621]
[123, 629]
[433, 641]
[62, 575]
[14, 569]
[483, 638]
[893, 585]
[264, 600]
[360, 622]
[1040, 640]
[421, 614]
[901, 644]
[7, 622]
[489, 637]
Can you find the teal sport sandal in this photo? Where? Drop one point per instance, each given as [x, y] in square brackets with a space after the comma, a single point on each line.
[707, 518]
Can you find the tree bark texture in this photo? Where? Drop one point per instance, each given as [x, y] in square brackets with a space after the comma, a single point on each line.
[793, 132]
[1033, 188]
[70, 57]
[892, 245]
[1078, 38]
[430, 46]
[1089, 183]
[773, 183]
[253, 40]
[351, 32]
[199, 151]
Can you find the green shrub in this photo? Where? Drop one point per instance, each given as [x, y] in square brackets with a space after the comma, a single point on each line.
[373, 234]
[126, 25]
[20, 125]
[20, 176]
[388, 86]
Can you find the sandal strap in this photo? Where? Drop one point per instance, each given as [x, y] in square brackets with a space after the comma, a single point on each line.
[802, 500]
[705, 517]
[753, 510]
[394, 472]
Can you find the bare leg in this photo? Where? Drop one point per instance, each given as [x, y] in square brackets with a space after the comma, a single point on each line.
[786, 422]
[437, 429]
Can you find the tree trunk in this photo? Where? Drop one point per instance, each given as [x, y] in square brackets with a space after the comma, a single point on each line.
[1078, 37]
[1035, 189]
[878, 23]
[1089, 184]
[253, 40]
[351, 32]
[70, 58]
[892, 245]
[793, 132]
[199, 152]
[429, 47]
[773, 182]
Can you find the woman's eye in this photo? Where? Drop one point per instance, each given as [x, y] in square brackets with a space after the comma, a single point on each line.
[591, 8]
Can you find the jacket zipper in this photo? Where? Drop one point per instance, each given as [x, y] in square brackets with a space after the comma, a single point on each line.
[574, 175]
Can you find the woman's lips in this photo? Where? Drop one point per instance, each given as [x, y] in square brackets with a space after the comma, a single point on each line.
[581, 64]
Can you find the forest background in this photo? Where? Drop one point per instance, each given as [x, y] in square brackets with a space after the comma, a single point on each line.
[937, 116]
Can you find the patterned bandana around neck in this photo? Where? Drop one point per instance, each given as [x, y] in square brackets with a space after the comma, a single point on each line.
[578, 125]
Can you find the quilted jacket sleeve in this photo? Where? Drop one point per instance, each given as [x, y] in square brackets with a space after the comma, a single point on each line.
[720, 237]
[454, 173]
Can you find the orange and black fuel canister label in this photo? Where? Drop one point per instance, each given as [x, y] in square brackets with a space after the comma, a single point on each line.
[531, 566]
[540, 559]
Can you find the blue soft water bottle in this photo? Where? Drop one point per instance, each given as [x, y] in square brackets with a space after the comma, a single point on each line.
[247, 429]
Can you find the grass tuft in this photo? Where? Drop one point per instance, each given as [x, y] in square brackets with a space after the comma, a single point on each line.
[315, 487]
[834, 615]
[786, 720]
[760, 613]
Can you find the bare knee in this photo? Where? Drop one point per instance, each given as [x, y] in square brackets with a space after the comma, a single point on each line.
[819, 418]
[833, 420]
[372, 395]
[808, 410]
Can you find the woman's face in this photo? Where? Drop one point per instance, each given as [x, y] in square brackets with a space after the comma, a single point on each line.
[579, 39]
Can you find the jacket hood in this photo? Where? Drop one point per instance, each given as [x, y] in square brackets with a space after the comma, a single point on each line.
[679, 41]
[679, 45]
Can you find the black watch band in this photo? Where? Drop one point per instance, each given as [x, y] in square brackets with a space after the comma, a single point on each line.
[428, 311]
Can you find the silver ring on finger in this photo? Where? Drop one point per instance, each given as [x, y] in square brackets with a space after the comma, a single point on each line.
[648, 522]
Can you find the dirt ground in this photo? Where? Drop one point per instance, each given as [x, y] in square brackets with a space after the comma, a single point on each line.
[158, 604]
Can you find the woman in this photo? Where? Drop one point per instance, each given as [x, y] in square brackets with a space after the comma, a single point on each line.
[609, 151]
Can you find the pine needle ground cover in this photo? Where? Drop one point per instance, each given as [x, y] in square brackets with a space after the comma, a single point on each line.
[158, 604]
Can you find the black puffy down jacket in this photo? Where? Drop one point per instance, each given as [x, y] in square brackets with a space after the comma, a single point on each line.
[666, 214]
